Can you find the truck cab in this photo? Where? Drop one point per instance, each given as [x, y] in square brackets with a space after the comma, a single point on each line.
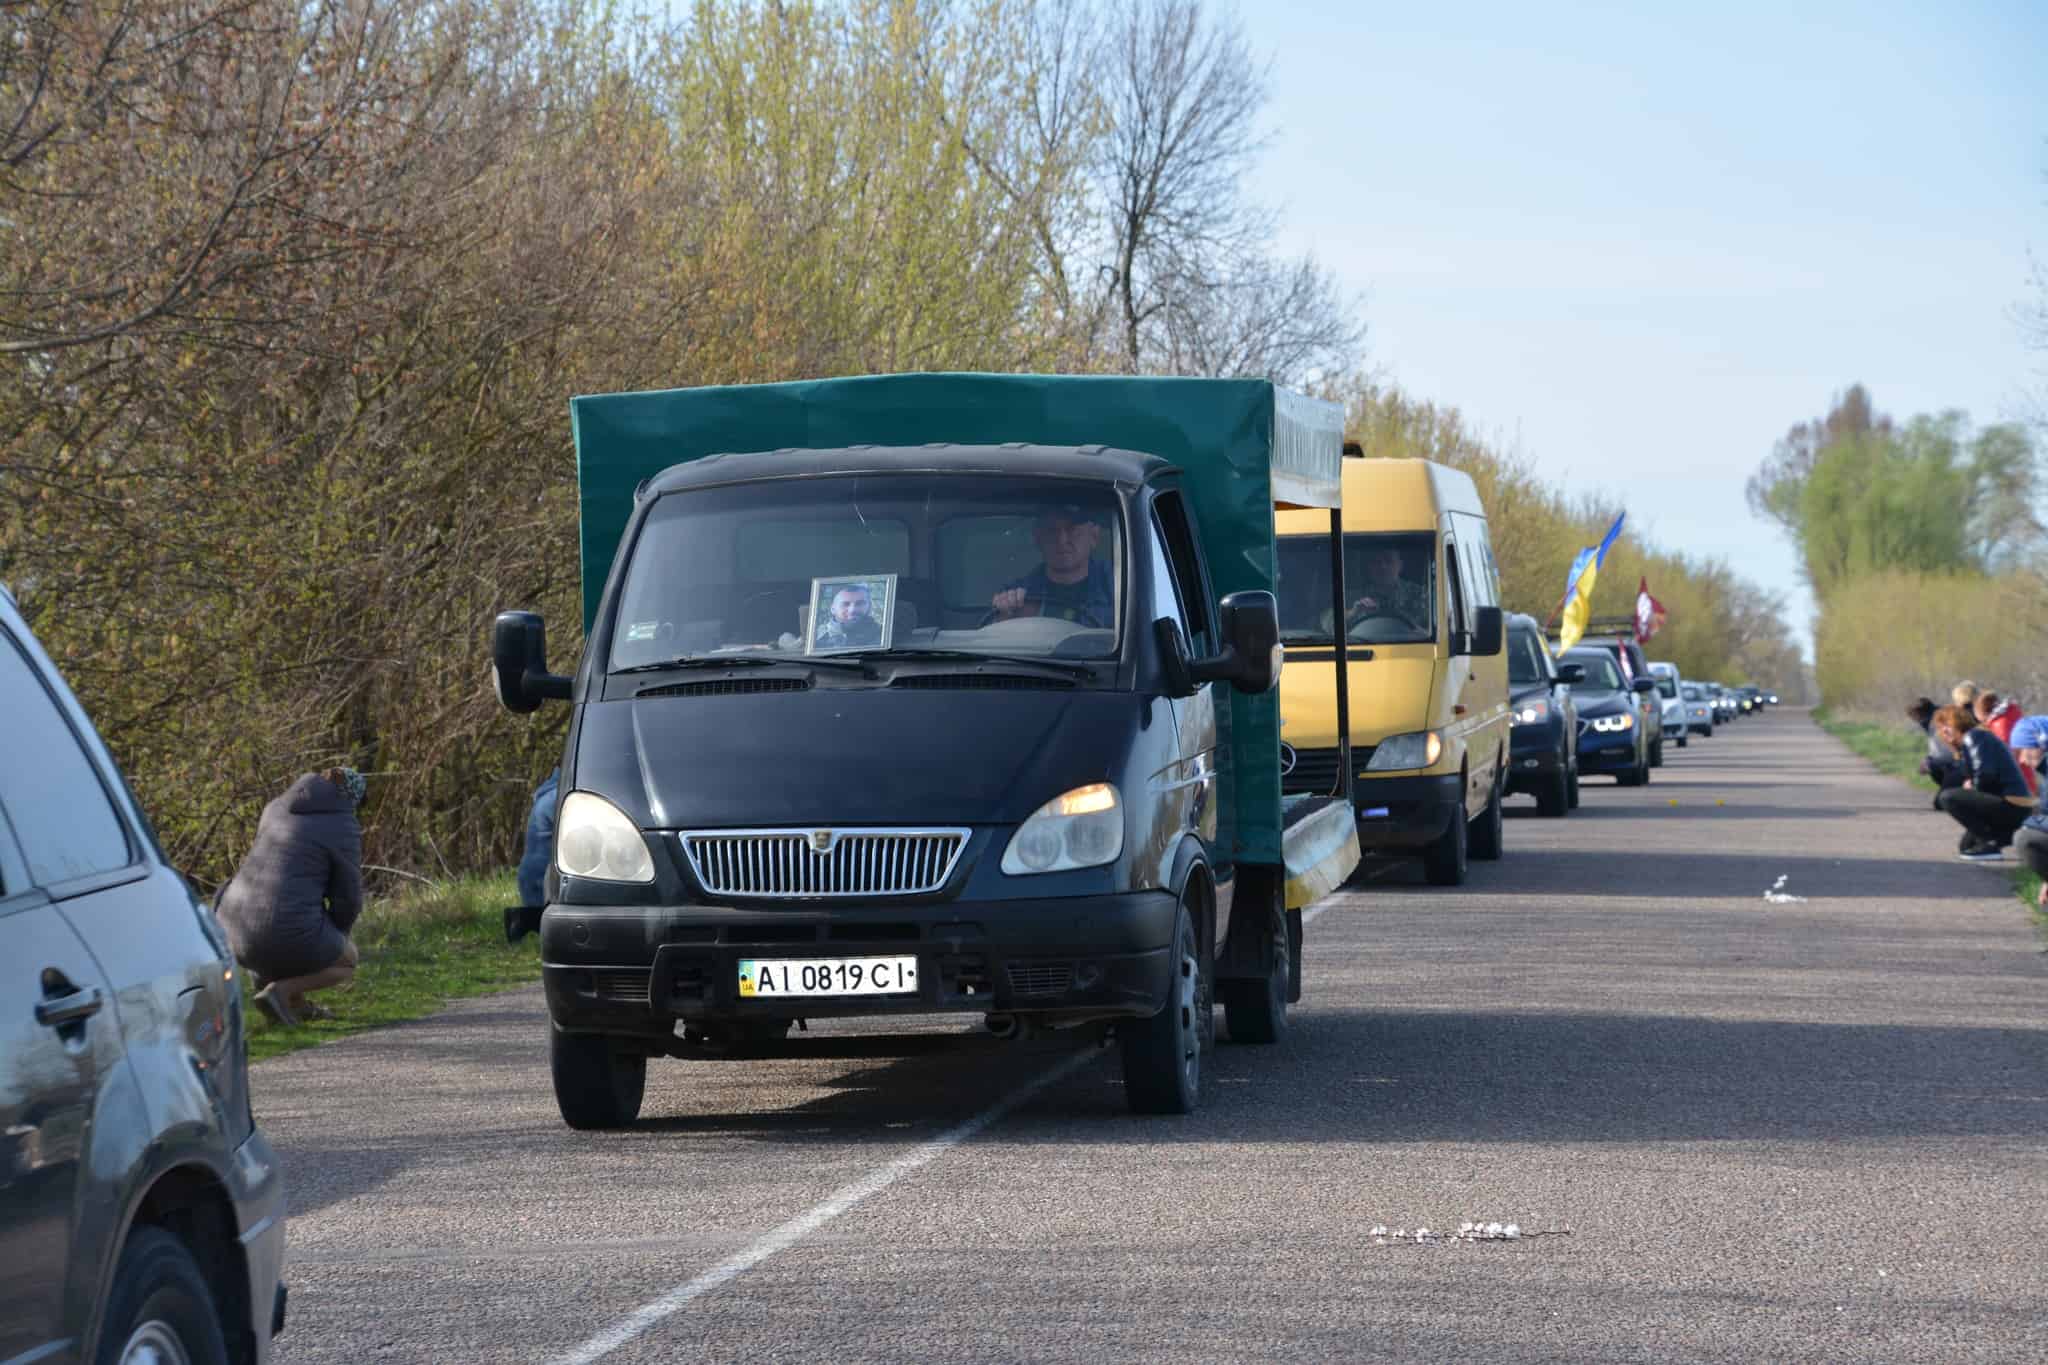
[865, 729]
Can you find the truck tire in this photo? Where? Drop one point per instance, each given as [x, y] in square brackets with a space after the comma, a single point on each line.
[1162, 1055]
[598, 1083]
[1256, 1011]
[1443, 862]
[1555, 800]
[1488, 835]
[161, 1307]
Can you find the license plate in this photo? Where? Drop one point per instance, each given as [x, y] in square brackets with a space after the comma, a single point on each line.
[781, 977]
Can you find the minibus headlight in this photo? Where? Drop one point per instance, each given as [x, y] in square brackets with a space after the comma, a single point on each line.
[1082, 828]
[1418, 750]
[593, 838]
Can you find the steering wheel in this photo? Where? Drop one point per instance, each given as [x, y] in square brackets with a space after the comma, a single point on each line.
[1383, 620]
[1033, 605]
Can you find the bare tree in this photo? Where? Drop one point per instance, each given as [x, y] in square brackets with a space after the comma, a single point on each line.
[1194, 284]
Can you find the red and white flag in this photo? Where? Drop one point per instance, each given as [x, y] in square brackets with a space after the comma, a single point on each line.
[1649, 612]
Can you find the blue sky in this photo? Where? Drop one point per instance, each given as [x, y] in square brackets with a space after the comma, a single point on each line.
[1636, 242]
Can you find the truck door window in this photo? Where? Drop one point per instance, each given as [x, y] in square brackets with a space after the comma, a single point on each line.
[1186, 559]
[1165, 592]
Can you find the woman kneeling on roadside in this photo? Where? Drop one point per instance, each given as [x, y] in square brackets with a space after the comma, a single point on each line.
[290, 905]
[1993, 801]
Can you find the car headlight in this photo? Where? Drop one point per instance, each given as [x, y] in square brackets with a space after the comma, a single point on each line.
[1531, 711]
[593, 838]
[1608, 725]
[1418, 750]
[1082, 828]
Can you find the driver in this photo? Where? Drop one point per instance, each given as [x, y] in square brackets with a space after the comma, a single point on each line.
[1386, 593]
[1071, 584]
[852, 623]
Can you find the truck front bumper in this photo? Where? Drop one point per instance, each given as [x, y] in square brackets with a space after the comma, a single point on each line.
[639, 969]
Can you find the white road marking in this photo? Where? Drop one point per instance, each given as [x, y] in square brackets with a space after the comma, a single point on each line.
[650, 1315]
[796, 1229]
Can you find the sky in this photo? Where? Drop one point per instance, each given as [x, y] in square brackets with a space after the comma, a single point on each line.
[1636, 243]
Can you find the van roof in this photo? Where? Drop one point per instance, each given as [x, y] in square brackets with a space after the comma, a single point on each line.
[1396, 495]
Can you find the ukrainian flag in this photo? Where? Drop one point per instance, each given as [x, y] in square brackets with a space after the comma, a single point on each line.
[1578, 587]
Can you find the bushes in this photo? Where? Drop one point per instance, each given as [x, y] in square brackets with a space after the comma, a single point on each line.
[1887, 637]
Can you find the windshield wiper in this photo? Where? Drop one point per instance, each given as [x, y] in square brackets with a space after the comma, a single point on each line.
[1072, 670]
[748, 661]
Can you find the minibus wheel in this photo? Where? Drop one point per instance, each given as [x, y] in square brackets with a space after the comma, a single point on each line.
[1443, 862]
[1489, 831]
[599, 1082]
[1162, 1055]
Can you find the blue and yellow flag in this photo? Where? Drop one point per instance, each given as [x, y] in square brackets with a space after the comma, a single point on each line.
[1578, 587]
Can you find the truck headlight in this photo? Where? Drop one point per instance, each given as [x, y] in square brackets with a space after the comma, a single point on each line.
[1530, 712]
[1418, 750]
[1608, 725]
[1081, 828]
[593, 838]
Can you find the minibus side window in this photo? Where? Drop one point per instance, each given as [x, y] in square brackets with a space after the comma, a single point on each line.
[1454, 576]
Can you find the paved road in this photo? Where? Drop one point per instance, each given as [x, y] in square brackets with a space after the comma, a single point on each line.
[1799, 1131]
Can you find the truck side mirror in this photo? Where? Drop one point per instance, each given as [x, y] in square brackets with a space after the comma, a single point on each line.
[1250, 660]
[1571, 673]
[519, 663]
[1489, 632]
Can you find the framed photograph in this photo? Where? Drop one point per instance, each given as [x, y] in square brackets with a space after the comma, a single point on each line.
[853, 611]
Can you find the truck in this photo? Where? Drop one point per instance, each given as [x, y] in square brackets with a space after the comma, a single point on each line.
[928, 694]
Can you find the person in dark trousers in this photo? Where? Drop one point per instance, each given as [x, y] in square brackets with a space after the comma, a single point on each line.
[290, 905]
[524, 918]
[1993, 801]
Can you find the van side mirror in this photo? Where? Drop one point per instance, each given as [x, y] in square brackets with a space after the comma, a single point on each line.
[519, 663]
[1571, 673]
[1250, 661]
[1489, 632]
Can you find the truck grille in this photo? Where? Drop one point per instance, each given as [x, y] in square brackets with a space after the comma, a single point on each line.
[791, 863]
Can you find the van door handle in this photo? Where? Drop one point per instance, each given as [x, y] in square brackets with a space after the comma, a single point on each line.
[69, 1009]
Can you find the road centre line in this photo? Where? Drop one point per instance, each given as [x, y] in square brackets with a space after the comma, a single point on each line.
[796, 1229]
[651, 1315]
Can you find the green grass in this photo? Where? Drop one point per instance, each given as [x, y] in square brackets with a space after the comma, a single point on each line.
[1893, 749]
[431, 944]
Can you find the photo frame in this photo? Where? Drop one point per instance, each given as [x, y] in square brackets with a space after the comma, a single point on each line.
[851, 611]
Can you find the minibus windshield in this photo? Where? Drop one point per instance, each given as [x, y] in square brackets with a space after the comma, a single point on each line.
[1389, 580]
[845, 564]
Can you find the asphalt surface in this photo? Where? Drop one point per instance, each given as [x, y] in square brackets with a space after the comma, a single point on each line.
[1812, 1130]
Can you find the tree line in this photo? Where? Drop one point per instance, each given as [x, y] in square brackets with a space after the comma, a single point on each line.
[292, 296]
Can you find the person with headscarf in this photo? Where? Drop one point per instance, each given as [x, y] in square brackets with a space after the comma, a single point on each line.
[289, 907]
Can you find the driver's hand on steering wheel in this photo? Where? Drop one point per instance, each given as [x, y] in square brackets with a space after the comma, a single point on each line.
[1010, 602]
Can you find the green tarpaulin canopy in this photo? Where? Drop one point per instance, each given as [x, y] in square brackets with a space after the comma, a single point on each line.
[1244, 445]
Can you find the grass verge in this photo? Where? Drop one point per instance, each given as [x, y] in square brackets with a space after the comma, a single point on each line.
[1892, 749]
[420, 949]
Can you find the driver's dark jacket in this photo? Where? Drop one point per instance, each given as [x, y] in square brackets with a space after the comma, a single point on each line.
[1992, 768]
[1404, 598]
[1090, 602]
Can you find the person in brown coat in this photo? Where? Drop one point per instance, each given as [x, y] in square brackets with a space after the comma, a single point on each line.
[290, 905]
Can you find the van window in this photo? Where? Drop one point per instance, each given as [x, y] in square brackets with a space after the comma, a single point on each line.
[1525, 658]
[50, 792]
[735, 568]
[1390, 579]
[1666, 686]
[1461, 595]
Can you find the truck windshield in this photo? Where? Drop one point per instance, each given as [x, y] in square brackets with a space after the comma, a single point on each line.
[1389, 579]
[982, 563]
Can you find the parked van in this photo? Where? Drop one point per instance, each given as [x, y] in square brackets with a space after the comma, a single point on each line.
[1428, 676]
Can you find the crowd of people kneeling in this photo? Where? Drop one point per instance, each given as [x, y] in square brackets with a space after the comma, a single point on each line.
[1986, 758]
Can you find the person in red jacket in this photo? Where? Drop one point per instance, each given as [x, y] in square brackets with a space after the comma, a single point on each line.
[1997, 715]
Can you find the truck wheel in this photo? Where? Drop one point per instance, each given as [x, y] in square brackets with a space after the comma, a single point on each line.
[1256, 1011]
[598, 1083]
[1443, 862]
[1162, 1056]
[1488, 835]
[161, 1308]
[1556, 798]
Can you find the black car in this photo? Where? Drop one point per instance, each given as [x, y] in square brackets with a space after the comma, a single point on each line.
[1612, 736]
[1543, 753]
[141, 1212]
[1635, 668]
